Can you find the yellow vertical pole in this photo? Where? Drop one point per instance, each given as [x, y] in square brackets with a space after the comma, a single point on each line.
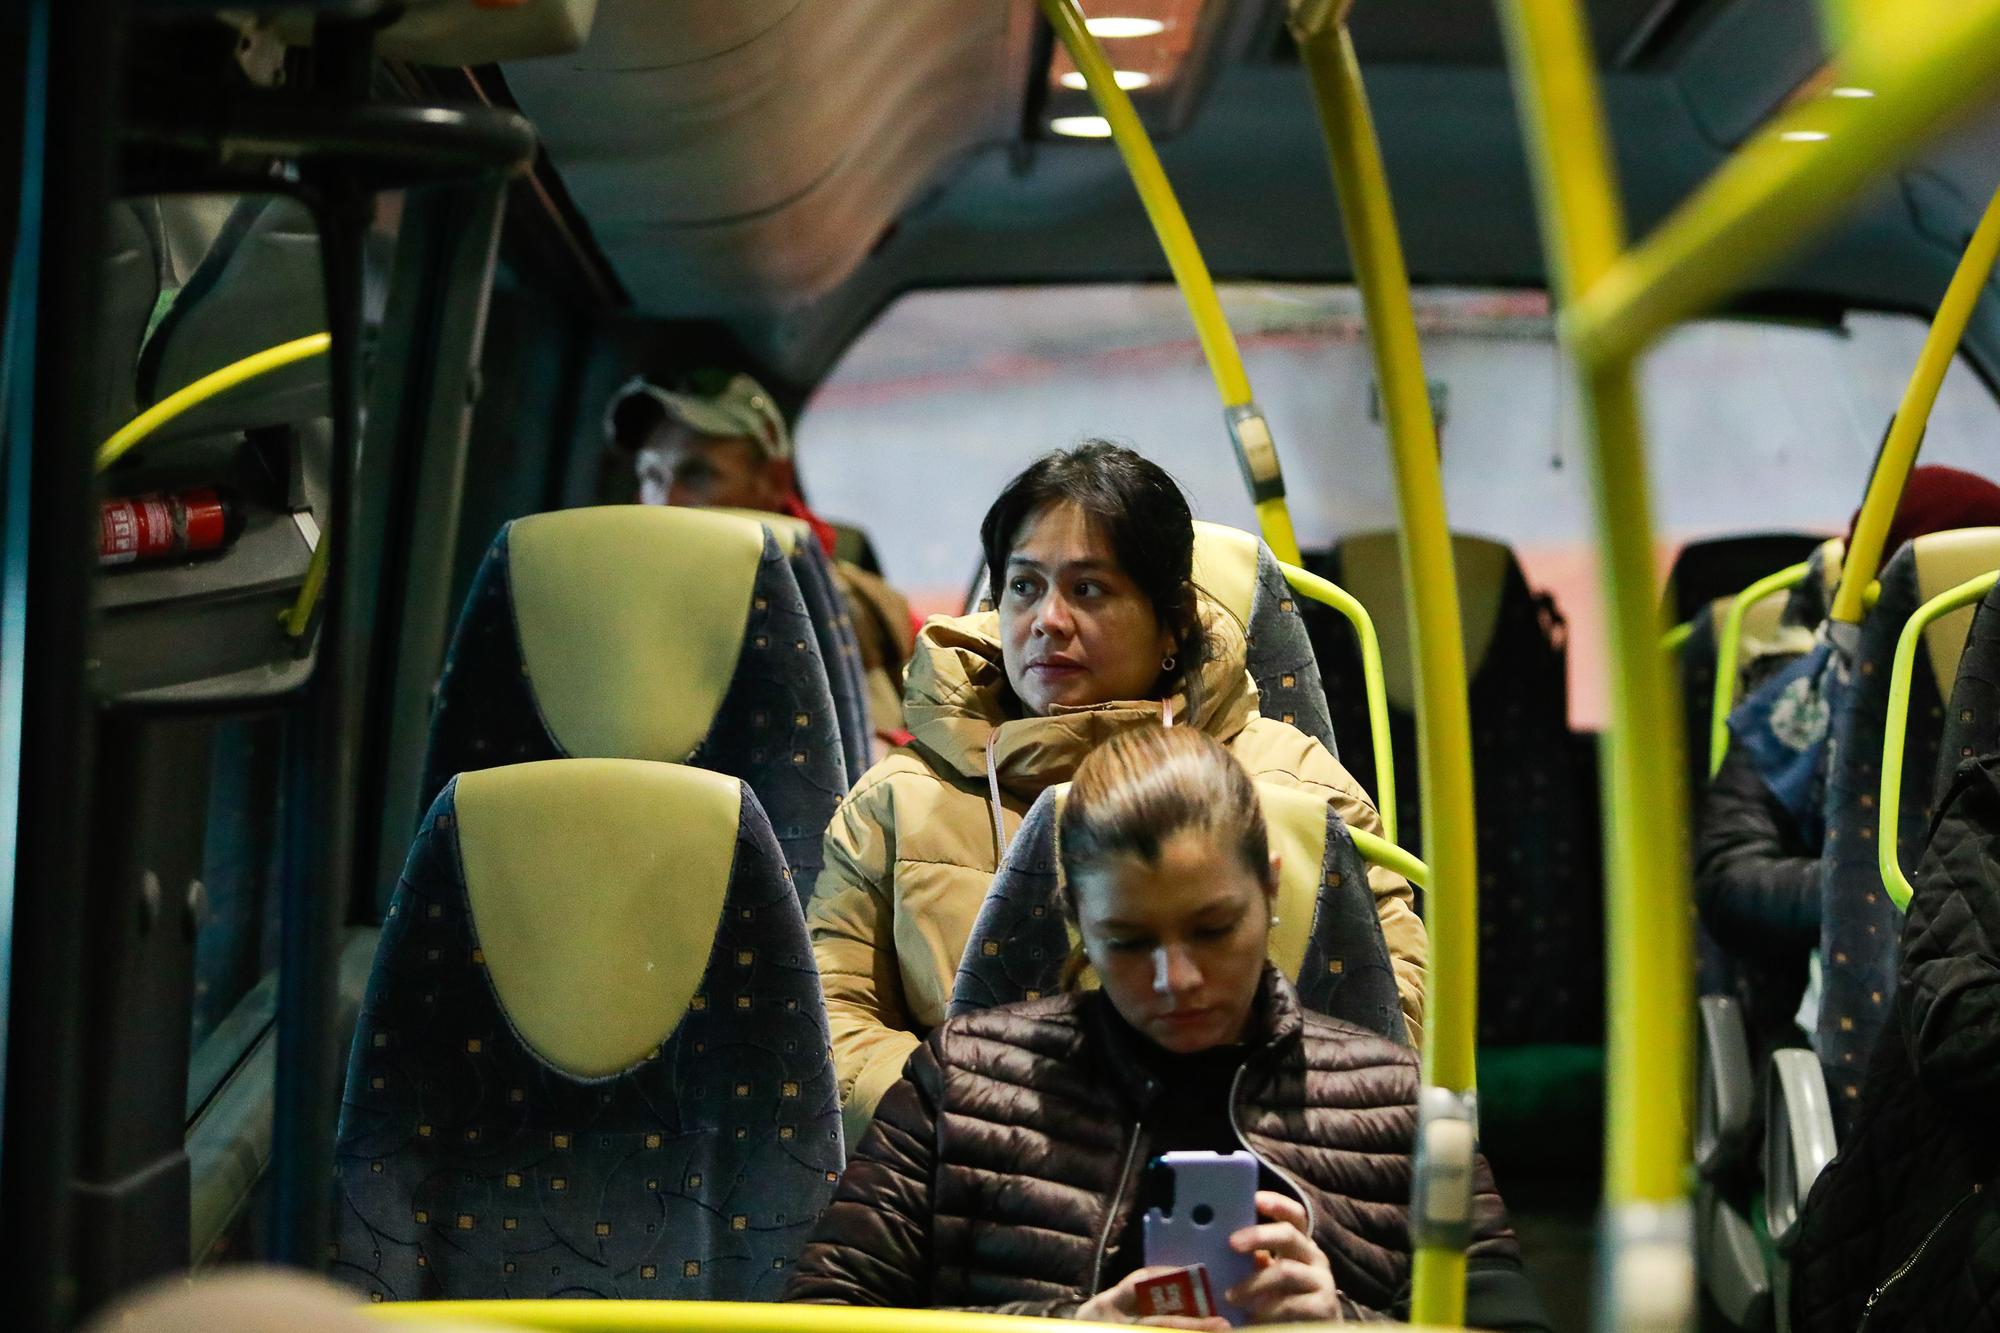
[1247, 428]
[1649, 1275]
[1441, 1207]
[1913, 414]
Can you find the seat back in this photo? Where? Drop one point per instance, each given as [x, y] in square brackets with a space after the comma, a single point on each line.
[1541, 909]
[1725, 566]
[1778, 623]
[1328, 939]
[131, 287]
[260, 284]
[832, 626]
[1859, 924]
[643, 632]
[1240, 573]
[1972, 717]
[592, 1059]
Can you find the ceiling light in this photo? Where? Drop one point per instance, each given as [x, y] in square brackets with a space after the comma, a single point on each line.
[1128, 79]
[1127, 27]
[1804, 136]
[1855, 94]
[1082, 127]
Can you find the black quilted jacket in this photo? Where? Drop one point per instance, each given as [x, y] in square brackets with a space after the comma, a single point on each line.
[1901, 1231]
[1757, 884]
[997, 1172]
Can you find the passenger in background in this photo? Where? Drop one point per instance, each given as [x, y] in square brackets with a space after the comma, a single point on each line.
[1099, 631]
[1757, 857]
[1000, 1173]
[731, 450]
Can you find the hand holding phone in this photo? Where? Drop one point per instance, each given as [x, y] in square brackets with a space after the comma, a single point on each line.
[1211, 1196]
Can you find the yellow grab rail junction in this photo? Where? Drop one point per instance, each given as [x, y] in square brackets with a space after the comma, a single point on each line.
[1430, 592]
[1247, 428]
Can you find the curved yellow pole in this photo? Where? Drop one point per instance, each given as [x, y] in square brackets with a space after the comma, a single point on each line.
[1934, 61]
[1308, 584]
[1913, 414]
[1889, 806]
[1254, 446]
[211, 385]
[1728, 646]
[1381, 852]
[1430, 592]
[1648, 1113]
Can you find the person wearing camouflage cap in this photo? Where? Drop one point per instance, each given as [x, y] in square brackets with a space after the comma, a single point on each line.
[732, 450]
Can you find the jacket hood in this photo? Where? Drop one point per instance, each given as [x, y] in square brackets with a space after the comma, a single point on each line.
[956, 695]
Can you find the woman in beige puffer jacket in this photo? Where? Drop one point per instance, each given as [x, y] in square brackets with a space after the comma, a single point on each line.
[1098, 630]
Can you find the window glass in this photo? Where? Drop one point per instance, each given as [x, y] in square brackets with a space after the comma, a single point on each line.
[1752, 425]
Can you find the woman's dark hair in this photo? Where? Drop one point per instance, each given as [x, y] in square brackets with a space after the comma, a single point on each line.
[1142, 513]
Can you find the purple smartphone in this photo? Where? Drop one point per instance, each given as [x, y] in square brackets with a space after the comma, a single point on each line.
[1213, 1196]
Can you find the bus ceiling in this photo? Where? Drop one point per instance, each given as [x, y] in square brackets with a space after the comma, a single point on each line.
[804, 164]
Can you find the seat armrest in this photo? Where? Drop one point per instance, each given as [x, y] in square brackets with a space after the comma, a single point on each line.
[1800, 1140]
[1726, 1118]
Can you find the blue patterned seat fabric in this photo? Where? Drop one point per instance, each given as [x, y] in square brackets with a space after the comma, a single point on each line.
[833, 628]
[776, 728]
[1541, 920]
[469, 1168]
[1859, 925]
[1972, 720]
[1020, 942]
[1281, 660]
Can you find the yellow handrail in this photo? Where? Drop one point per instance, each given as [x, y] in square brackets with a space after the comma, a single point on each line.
[670, 1316]
[1913, 414]
[1727, 647]
[1430, 592]
[211, 385]
[1252, 436]
[1795, 176]
[1382, 852]
[1308, 584]
[1648, 1113]
[1889, 806]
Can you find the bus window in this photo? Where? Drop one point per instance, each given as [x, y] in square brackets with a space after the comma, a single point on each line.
[1757, 425]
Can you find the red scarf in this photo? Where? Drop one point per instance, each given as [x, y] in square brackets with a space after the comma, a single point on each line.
[796, 508]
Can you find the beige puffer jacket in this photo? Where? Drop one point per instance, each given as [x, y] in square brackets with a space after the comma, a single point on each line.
[912, 850]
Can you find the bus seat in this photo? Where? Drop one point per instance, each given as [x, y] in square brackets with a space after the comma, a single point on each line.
[1778, 623]
[645, 632]
[1328, 940]
[1859, 926]
[593, 1059]
[1242, 574]
[853, 544]
[1972, 717]
[834, 628]
[1724, 566]
[1541, 911]
[259, 285]
[125, 305]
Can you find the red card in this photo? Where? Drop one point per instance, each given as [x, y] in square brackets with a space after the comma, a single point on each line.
[1184, 1292]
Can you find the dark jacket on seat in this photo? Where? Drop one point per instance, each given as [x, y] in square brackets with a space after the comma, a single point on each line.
[1904, 1219]
[1757, 884]
[1005, 1163]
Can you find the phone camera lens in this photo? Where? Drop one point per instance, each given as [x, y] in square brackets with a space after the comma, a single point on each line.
[1203, 1214]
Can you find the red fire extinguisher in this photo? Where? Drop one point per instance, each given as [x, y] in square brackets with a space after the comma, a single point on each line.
[163, 526]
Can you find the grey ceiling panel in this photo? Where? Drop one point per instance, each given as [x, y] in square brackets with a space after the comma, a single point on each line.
[734, 154]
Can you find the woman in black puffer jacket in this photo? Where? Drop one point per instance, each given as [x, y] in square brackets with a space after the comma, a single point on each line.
[1003, 1173]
